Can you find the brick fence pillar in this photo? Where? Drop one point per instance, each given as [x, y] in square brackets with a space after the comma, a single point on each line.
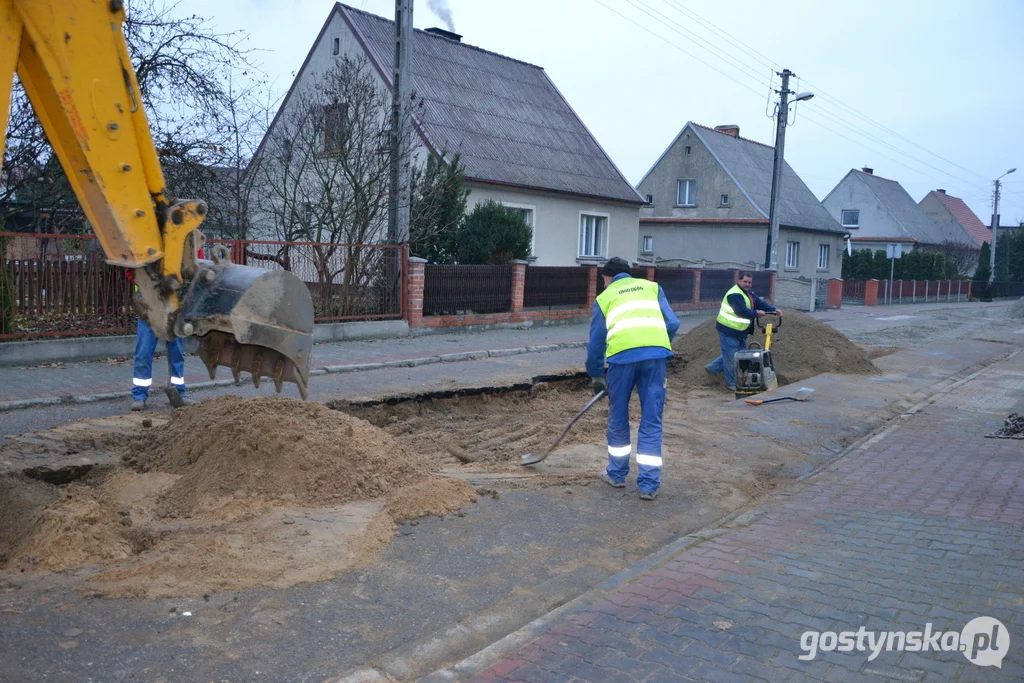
[735, 276]
[871, 293]
[591, 286]
[771, 287]
[835, 293]
[518, 288]
[650, 274]
[695, 300]
[417, 269]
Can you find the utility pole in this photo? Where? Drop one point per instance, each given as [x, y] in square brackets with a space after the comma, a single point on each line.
[995, 230]
[401, 120]
[772, 248]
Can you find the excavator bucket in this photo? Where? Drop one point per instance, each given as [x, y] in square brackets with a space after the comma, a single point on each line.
[252, 320]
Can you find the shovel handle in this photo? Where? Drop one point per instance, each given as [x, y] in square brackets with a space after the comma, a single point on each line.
[590, 404]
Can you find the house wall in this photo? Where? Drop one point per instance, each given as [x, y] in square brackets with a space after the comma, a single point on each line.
[557, 222]
[743, 245]
[712, 182]
[875, 220]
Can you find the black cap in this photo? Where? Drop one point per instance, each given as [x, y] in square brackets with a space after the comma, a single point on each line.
[616, 265]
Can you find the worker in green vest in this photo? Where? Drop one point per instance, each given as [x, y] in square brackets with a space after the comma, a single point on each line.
[633, 326]
[740, 307]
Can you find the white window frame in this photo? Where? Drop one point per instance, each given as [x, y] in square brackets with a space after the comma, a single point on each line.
[826, 251]
[532, 208]
[792, 255]
[686, 149]
[648, 244]
[723, 199]
[603, 248]
[691, 194]
[650, 199]
[842, 218]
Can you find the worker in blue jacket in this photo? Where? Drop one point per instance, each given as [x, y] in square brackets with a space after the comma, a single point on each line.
[633, 325]
[740, 307]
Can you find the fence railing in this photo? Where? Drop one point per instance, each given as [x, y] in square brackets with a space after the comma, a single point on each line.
[677, 283]
[61, 285]
[555, 286]
[453, 290]
[715, 283]
[998, 290]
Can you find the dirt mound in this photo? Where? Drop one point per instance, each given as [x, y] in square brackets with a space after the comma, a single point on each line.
[21, 500]
[803, 348]
[297, 452]
[1016, 309]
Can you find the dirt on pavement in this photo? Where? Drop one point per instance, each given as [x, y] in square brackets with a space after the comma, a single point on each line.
[802, 348]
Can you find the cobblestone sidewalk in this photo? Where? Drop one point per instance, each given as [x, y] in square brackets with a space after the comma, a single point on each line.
[921, 529]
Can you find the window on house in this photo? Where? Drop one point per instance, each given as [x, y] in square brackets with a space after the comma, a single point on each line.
[851, 218]
[648, 244]
[593, 233]
[792, 254]
[687, 150]
[686, 192]
[527, 212]
[334, 127]
[724, 200]
[823, 254]
[337, 46]
[649, 198]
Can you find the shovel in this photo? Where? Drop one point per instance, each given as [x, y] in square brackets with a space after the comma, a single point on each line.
[800, 395]
[534, 458]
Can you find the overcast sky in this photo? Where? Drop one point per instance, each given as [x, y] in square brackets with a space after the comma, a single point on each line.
[926, 92]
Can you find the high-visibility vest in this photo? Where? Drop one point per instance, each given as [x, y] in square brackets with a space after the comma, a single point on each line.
[728, 317]
[632, 315]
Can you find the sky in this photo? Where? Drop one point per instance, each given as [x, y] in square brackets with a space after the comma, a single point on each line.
[926, 92]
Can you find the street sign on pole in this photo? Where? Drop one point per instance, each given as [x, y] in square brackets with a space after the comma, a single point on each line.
[892, 252]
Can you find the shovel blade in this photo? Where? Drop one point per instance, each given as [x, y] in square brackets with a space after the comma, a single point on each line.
[803, 393]
[533, 458]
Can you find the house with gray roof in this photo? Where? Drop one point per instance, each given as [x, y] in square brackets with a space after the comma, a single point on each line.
[519, 139]
[877, 211]
[708, 199]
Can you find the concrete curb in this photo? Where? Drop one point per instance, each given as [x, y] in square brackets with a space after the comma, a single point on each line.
[21, 404]
[414, 660]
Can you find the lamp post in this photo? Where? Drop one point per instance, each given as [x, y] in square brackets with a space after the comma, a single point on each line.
[782, 120]
[995, 228]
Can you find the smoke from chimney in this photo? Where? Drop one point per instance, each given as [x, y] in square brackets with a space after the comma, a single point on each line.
[443, 12]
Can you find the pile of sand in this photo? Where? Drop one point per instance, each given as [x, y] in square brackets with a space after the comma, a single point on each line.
[1016, 309]
[803, 348]
[231, 493]
[297, 452]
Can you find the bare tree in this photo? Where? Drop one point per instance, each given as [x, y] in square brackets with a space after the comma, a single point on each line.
[961, 257]
[325, 175]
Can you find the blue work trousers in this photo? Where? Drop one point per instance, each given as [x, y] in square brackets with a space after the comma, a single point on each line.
[648, 377]
[727, 361]
[145, 347]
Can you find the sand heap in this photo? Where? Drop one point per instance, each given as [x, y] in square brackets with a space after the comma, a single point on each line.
[231, 493]
[803, 348]
[1016, 309]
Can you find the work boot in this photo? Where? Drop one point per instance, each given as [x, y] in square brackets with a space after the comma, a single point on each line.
[648, 495]
[138, 406]
[611, 482]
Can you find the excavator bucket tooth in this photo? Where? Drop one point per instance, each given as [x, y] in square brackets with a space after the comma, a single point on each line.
[250, 319]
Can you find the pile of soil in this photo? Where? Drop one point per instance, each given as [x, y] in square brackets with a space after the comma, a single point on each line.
[230, 493]
[803, 348]
[296, 452]
[1017, 308]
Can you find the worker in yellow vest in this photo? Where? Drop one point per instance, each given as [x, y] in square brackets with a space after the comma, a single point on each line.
[633, 325]
[740, 306]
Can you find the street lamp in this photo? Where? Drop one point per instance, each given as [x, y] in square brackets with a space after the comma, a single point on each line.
[995, 228]
[772, 247]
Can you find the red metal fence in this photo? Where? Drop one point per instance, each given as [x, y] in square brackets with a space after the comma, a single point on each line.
[61, 285]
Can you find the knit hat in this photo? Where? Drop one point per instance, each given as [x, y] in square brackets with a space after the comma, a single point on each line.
[616, 265]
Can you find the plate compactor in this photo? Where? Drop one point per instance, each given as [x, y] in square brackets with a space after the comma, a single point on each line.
[755, 371]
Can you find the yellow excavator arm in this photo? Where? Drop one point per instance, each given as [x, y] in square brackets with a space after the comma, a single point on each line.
[73, 62]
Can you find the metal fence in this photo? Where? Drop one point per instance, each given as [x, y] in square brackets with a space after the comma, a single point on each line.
[998, 290]
[677, 283]
[555, 286]
[715, 283]
[762, 283]
[60, 285]
[453, 290]
[347, 281]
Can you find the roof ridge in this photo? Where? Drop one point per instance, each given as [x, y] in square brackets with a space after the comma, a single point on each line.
[434, 35]
[876, 176]
[738, 137]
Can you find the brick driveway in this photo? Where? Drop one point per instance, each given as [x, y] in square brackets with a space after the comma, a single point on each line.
[924, 525]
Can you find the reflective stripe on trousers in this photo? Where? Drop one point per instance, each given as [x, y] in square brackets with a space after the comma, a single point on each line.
[145, 347]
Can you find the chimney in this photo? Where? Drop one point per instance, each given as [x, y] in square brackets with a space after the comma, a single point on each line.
[869, 171]
[729, 129]
[941, 191]
[450, 35]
